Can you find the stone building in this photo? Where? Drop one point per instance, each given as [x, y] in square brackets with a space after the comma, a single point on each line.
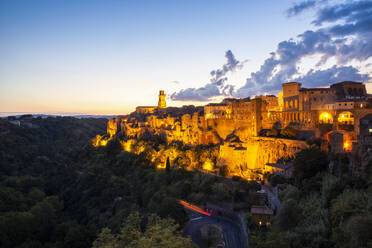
[335, 110]
[365, 137]
[261, 215]
[336, 142]
[217, 110]
[339, 115]
[350, 90]
[151, 109]
[161, 103]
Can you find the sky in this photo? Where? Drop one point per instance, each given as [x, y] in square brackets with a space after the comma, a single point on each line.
[107, 57]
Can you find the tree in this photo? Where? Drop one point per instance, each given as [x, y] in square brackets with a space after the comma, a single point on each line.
[348, 203]
[309, 162]
[158, 233]
[167, 165]
[274, 132]
[289, 132]
[359, 228]
[314, 142]
[289, 215]
[106, 239]
[113, 147]
[277, 179]
[162, 233]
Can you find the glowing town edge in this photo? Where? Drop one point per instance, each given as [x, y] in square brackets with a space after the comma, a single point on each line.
[249, 136]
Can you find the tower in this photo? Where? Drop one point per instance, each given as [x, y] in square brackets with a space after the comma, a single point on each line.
[161, 102]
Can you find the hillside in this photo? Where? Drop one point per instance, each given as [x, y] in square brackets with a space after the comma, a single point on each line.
[57, 190]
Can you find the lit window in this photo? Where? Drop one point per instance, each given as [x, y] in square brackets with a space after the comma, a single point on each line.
[325, 118]
[346, 145]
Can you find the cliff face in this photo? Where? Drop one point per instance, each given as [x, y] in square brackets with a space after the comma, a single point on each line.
[245, 158]
[235, 149]
[112, 127]
[190, 129]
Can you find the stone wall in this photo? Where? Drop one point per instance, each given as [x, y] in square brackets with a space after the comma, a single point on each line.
[245, 159]
[242, 155]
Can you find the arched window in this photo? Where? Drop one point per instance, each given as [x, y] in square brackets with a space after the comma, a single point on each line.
[360, 92]
[346, 118]
[325, 118]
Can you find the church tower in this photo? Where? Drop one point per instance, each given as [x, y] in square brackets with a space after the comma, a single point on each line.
[162, 104]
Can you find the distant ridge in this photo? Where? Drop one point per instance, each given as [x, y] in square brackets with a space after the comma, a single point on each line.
[36, 115]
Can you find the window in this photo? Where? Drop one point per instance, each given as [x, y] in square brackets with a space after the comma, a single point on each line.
[350, 91]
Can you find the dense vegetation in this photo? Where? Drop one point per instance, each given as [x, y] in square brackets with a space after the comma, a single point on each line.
[327, 205]
[57, 190]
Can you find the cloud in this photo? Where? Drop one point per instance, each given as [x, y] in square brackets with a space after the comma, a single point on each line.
[300, 7]
[348, 37]
[332, 75]
[198, 94]
[217, 85]
[350, 11]
[231, 65]
[343, 32]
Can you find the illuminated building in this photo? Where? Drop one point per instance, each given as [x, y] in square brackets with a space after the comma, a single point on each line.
[151, 109]
[161, 103]
[261, 215]
[234, 126]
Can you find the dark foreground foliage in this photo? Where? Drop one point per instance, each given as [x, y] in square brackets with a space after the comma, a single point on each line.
[56, 190]
[325, 206]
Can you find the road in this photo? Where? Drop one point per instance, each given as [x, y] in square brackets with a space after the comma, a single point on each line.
[272, 197]
[232, 234]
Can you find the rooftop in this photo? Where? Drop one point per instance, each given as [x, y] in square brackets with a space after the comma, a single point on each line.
[346, 82]
[313, 89]
[261, 210]
[291, 83]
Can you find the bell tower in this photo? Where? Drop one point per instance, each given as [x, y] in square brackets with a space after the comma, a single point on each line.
[161, 102]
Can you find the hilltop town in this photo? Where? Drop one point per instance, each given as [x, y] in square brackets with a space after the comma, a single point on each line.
[254, 133]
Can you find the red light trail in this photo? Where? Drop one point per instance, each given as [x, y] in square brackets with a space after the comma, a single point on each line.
[185, 204]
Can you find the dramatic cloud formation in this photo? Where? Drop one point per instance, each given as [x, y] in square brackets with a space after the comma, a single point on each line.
[333, 74]
[344, 34]
[300, 7]
[217, 85]
[348, 40]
